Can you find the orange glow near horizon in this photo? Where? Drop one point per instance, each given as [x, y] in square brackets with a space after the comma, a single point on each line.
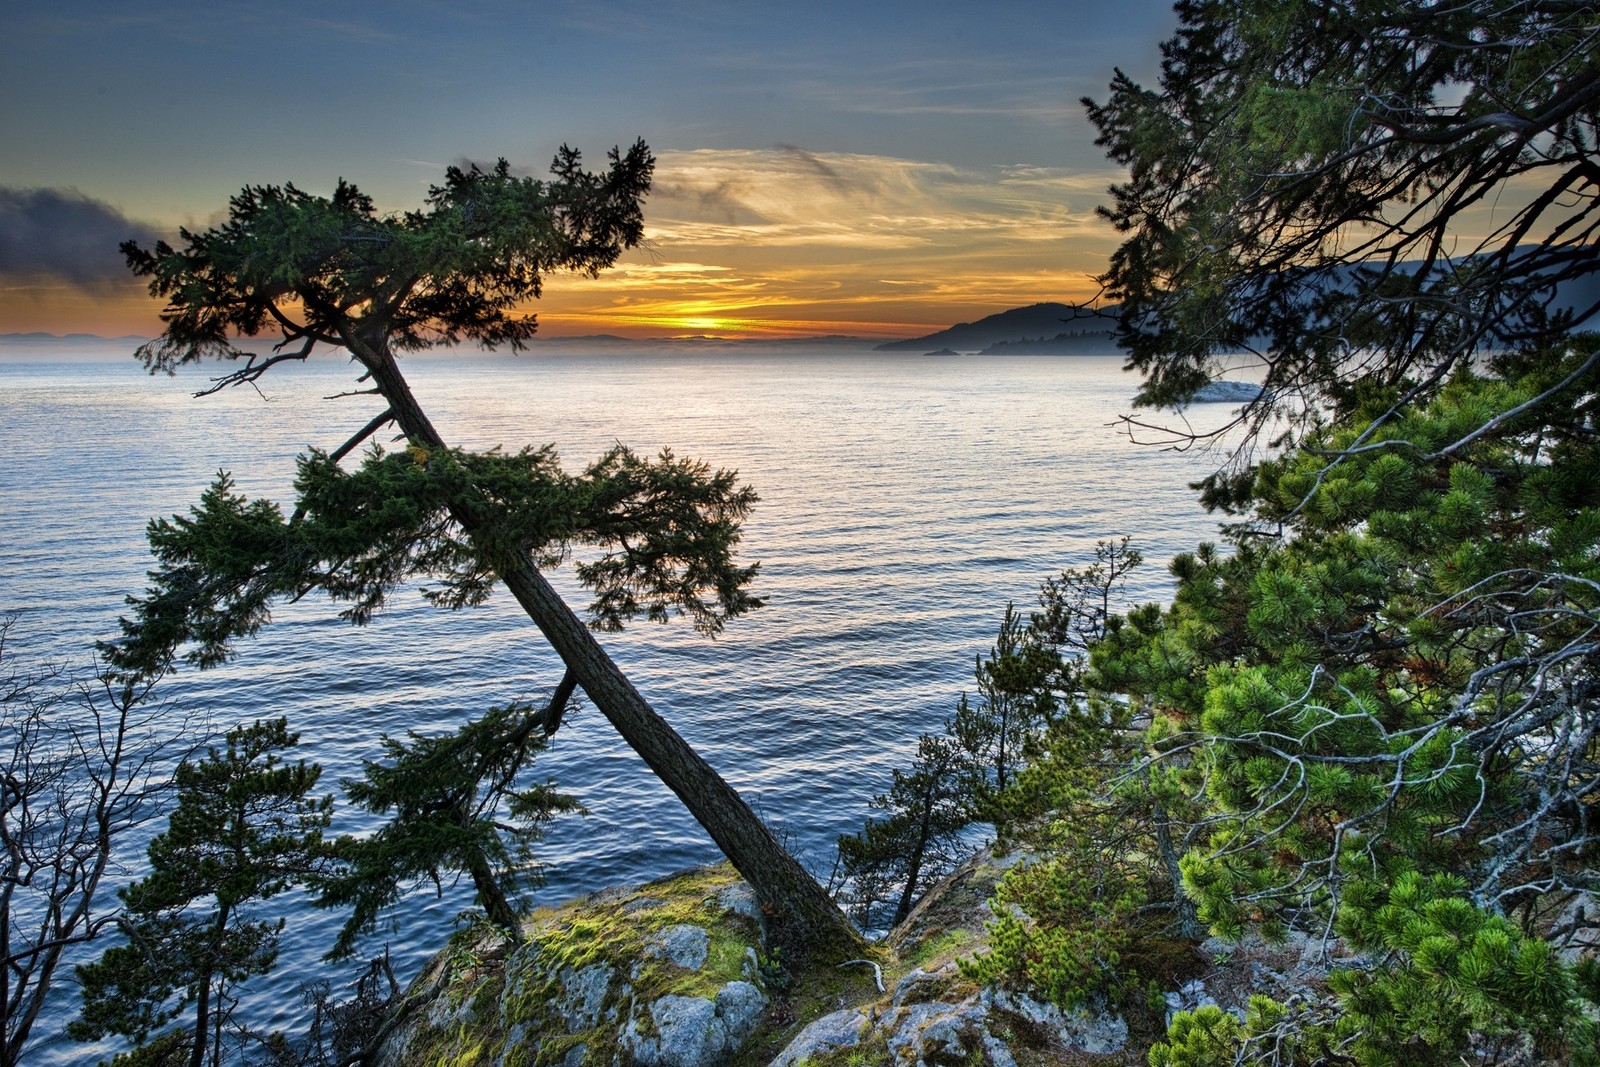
[668, 324]
[781, 243]
[664, 317]
[773, 243]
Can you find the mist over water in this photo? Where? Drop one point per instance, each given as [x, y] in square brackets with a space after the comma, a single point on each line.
[904, 501]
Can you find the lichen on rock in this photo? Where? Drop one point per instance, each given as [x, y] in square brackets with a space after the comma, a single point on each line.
[656, 975]
[677, 973]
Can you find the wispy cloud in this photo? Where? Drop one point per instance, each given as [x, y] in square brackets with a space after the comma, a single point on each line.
[789, 196]
[791, 240]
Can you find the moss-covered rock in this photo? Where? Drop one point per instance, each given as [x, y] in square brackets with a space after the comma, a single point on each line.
[678, 972]
[929, 1014]
[661, 975]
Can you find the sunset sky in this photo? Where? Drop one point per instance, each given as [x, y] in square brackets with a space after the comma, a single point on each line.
[869, 168]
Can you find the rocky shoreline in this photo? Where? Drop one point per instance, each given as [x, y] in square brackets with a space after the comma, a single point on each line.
[680, 973]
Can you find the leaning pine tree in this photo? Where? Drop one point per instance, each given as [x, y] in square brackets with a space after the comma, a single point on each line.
[332, 272]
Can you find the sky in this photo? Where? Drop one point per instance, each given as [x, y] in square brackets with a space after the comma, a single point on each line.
[876, 168]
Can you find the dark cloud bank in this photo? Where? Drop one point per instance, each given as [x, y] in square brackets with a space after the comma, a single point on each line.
[64, 234]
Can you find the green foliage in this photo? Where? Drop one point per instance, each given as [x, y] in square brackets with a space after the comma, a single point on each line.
[331, 272]
[1385, 689]
[456, 803]
[1460, 980]
[1381, 724]
[667, 530]
[1090, 916]
[1389, 719]
[1205, 1037]
[1303, 1032]
[774, 972]
[1453, 984]
[921, 839]
[458, 269]
[1306, 182]
[1298, 168]
[978, 769]
[245, 829]
[1373, 711]
[670, 529]
[1076, 922]
[1016, 700]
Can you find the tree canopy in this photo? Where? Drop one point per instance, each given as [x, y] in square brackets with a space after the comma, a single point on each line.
[332, 270]
[1365, 192]
[1369, 719]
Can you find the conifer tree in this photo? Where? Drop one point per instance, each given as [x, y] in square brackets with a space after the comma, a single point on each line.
[1015, 703]
[334, 273]
[457, 803]
[245, 829]
[920, 840]
[1377, 701]
[1390, 718]
[1355, 194]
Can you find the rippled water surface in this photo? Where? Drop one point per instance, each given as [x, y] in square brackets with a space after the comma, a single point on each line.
[904, 500]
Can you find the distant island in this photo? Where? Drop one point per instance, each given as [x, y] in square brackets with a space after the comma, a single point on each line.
[1065, 343]
[69, 339]
[1036, 330]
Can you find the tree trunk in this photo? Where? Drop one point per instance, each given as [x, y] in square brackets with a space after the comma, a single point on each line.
[490, 895]
[1189, 924]
[800, 907]
[908, 896]
[556, 710]
[202, 1004]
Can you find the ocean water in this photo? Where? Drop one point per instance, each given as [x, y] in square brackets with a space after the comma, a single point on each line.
[904, 501]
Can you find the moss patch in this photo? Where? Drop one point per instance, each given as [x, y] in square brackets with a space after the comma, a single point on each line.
[940, 949]
[618, 928]
[583, 974]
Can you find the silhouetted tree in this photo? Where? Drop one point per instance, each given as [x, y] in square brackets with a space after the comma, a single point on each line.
[1362, 194]
[85, 763]
[333, 272]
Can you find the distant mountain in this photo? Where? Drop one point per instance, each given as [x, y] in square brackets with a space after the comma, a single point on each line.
[69, 339]
[1063, 329]
[1078, 331]
[821, 339]
[541, 340]
[713, 340]
[588, 342]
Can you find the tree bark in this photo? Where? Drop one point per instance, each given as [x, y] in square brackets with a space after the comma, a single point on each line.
[799, 906]
[202, 1006]
[1189, 924]
[491, 896]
